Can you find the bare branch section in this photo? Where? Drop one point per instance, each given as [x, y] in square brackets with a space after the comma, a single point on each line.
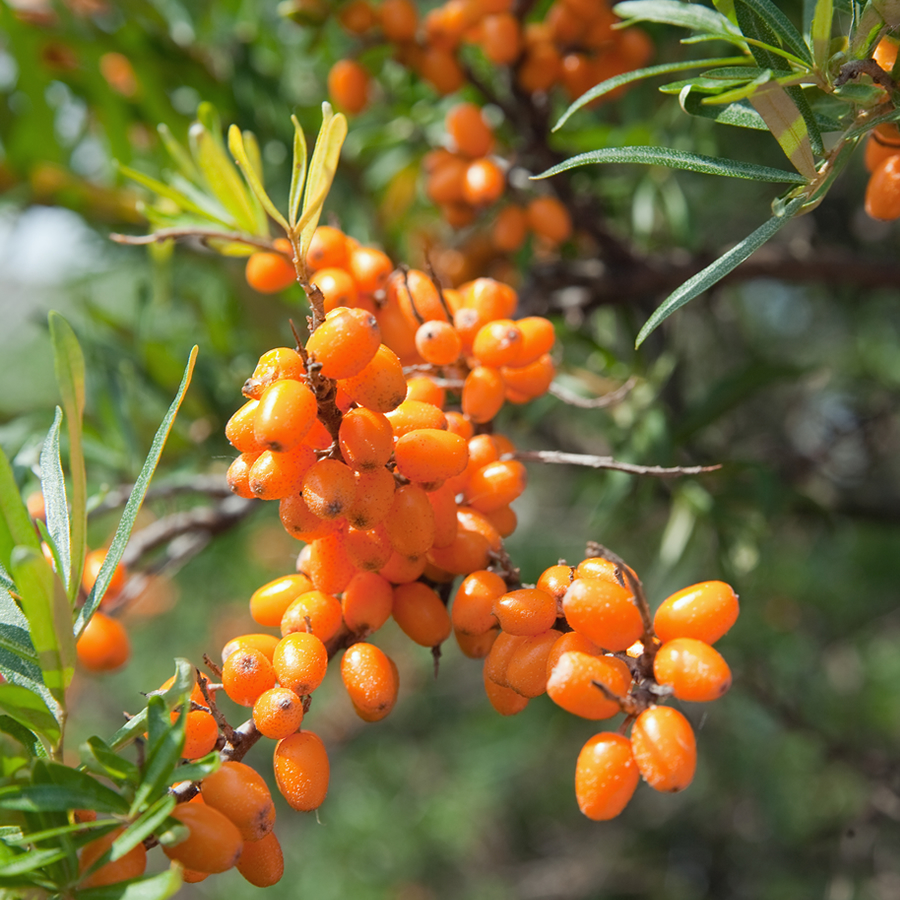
[211, 485]
[559, 457]
[572, 399]
[201, 234]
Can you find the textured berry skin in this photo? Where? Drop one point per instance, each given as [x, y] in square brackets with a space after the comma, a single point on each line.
[302, 770]
[606, 776]
[262, 862]
[278, 713]
[604, 612]
[704, 611]
[246, 674]
[214, 843]
[664, 748]
[571, 684]
[371, 680]
[240, 793]
[694, 670]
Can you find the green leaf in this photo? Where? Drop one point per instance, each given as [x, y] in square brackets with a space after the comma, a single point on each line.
[49, 619]
[239, 152]
[68, 363]
[180, 156]
[57, 798]
[780, 25]
[859, 131]
[14, 633]
[678, 159]
[164, 752]
[197, 770]
[672, 12]
[717, 270]
[120, 539]
[29, 709]
[321, 173]
[298, 172]
[150, 887]
[820, 32]
[53, 487]
[610, 84]
[15, 523]
[177, 197]
[770, 50]
[24, 863]
[25, 736]
[97, 756]
[96, 829]
[788, 126]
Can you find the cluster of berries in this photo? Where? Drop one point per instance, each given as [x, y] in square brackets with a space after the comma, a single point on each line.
[580, 637]
[883, 153]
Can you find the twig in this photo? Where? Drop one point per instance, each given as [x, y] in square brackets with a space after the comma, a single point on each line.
[857, 67]
[560, 457]
[202, 234]
[212, 485]
[610, 399]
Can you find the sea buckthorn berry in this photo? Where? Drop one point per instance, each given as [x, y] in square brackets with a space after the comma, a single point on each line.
[606, 776]
[213, 843]
[526, 672]
[885, 53]
[571, 640]
[239, 429]
[366, 438]
[704, 611]
[371, 680]
[472, 520]
[368, 550]
[442, 71]
[269, 602]
[330, 566]
[443, 502]
[318, 437]
[472, 610]
[505, 700]
[337, 287]
[345, 342]
[501, 38]
[274, 365]
[399, 20]
[490, 298]
[370, 269]
[302, 770]
[274, 476]
[189, 876]
[664, 748]
[503, 519]
[131, 865]
[549, 219]
[300, 662]
[329, 488]
[527, 611]
[265, 643]
[482, 394]
[540, 69]
[423, 389]
[496, 484]
[240, 793]
[429, 455]
[438, 343]
[510, 229]
[348, 86]
[412, 415]
[469, 551]
[598, 567]
[883, 190]
[538, 338]
[301, 522]
[328, 249]
[262, 862]
[374, 495]
[571, 684]
[468, 130]
[883, 141]
[246, 674]
[694, 670]
[93, 562]
[459, 424]
[418, 296]
[103, 645]
[200, 730]
[402, 569]
[527, 382]
[604, 612]
[270, 273]
[498, 343]
[410, 521]
[420, 614]
[444, 181]
[367, 602]
[322, 610]
[357, 16]
[483, 182]
[476, 646]
[381, 385]
[285, 414]
[497, 661]
[556, 580]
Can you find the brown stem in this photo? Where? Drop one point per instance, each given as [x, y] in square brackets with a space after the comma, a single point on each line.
[560, 457]
[572, 399]
[202, 234]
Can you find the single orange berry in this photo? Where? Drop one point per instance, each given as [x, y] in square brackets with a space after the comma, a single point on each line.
[883, 190]
[246, 674]
[526, 672]
[370, 269]
[429, 455]
[468, 130]
[482, 394]
[274, 365]
[483, 182]
[269, 273]
[278, 713]
[665, 748]
[399, 20]
[300, 661]
[476, 646]
[268, 603]
[606, 776]
[604, 612]
[262, 862]
[472, 610]
[323, 612]
[329, 488]
[549, 219]
[103, 645]
[265, 643]
[438, 343]
[505, 700]
[411, 415]
[213, 843]
[410, 521]
[239, 792]
[93, 561]
[374, 495]
[367, 602]
[371, 680]
[302, 770]
[704, 611]
[348, 86]
[381, 385]
[510, 229]
[501, 38]
[274, 476]
[420, 614]
[366, 438]
[694, 670]
[495, 485]
[285, 414]
[571, 684]
[345, 343]
[527, 611]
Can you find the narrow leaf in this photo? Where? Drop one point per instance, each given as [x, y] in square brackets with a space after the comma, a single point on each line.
[14, 633]
[770, 50]
[177, 197]
[717, 270]
[197, 770]
[298, 172]
[25, 736]
[820, 33]
[150, 887]
[180, 156]
[678, 159]
[68, 363]
[239, 152]
[672, 12]
[24, 863]
[100, 759]
[164, 753]
[56, 798]
[15, 523]
[787, 125]
[120, 539]
[781, 25]
[610, 84]
[53, 487]
[251, 145]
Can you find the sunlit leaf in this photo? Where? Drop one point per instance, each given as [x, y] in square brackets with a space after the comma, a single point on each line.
[98, 757]
[820, 32]
[239, 152]
[179, 154]
[298, 172]
[56, 505]
[671, 12]
[25, 736]
[780, 25]
[177, 197]
[787, 125]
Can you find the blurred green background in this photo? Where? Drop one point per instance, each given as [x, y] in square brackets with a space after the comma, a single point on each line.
[790, 380]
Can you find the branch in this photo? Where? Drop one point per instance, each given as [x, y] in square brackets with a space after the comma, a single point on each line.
[202, 234]
[610, 399]
[607, 462]
[211, 485]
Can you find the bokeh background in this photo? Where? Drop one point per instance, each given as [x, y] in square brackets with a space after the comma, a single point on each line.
[789, 378]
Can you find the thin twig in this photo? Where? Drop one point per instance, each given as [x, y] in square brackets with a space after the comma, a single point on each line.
[610, 399]
[559, 457]
[212, 485]
[202, 234]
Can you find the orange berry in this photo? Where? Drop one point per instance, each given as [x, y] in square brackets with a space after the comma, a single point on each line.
[374, 495]
[510, 229]
[370, 269]
[424, 389]
[412, 415]
[265, 643]
[606, 776]
[269, 273]
[300, 662]
[381, 385]
[556, 580]
[482, 394]
[401, 569]
[496, 484]
[665, 748]
[883, 190]
[399, 20]
[239, 429]
[443, 502]
[490, 298]
[348, 86]
[278, 713]
[604, 612]
[483, 182]
[328, 249]
[549, 219]
[571, 684]
[472, 610]
[338, 288]
[366, 439]
[503, 519]
[469, 551]
[93, 561]
[883, 142]
[329, 488]
[501, 38]
[540, 69]
[693, 669]
[497, 661]
[499, 343]
[367, 602]
[302, 770]
[213, 843]
[429, 455]
[704, 611]
[418, 297]
[476, 646]
[538, 338]
[301, 522]
[357, 16]
[529, 381]
[246, 674]
[527, 611]
[268, 603]
[329, 564]
[274, 365]
[200, 733]
[444, 183]
[240, 793]
[103, 645]
[438, 343]
[368, 550]
[526, 672]
[323, 612]
[468, 130]
[371, 680]
[410, 521]
[131, 865]
[345, 343]
[274, 476]
[441, 70]
[420, 614]
[262, 862]
[285, 414]
[571, 640]
[885, 53]
[505, 700]
[458, 424]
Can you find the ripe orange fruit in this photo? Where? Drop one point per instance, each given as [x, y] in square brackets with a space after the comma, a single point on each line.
[604, 612]
[240, 793]
[704, 611]
[213, 843]
[302, 770]
[665, 749]
[103, 645]
[262, 862]
[549, 219]
[269, 272]
[300, 662]
[131, 865]
[92, 563]
[420, 614]
[694, 670]
[570, 684]
[348, 86]
[371, 680]
[883, 190]
[246, 674]
[606, 776]
[469, 131]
